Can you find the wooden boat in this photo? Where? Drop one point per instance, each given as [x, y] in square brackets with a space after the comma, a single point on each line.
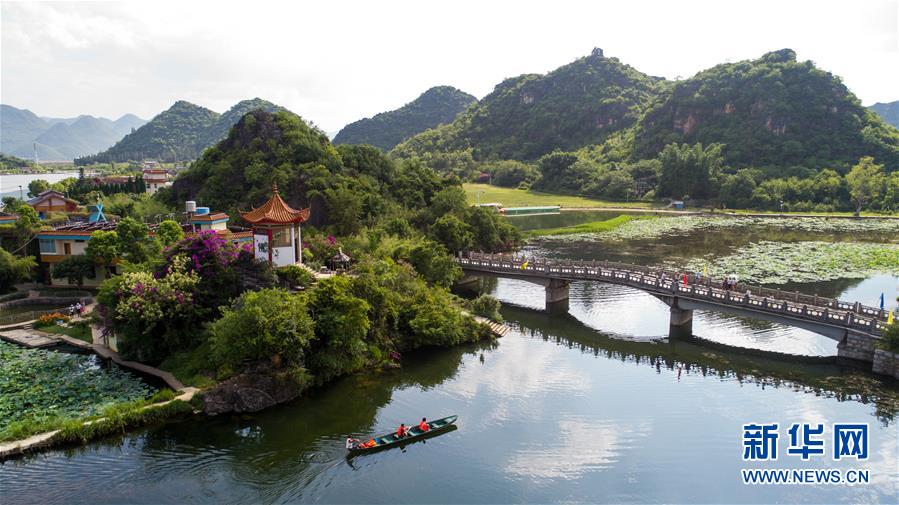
[437, 427]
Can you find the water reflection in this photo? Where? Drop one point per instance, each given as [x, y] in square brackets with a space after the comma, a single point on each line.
[820, 376]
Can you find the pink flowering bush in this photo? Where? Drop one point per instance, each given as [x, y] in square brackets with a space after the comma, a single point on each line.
[223, 268]
[153, 315]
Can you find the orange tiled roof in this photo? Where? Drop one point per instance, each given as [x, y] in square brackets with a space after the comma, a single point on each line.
[276, 211]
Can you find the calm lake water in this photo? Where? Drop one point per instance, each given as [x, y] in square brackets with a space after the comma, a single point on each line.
[594, 406]
[9, 184]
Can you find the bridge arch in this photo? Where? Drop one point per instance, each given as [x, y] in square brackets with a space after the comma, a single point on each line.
[856, 327]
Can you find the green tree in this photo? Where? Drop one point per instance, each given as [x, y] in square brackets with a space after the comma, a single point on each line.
[690, 170]
[737, 189]
[432, 262]
[168, 232]
[37, 186]
[103, 247]
[135, 244]
[13, 269]
[453, 233]
[28, 222]
[263, 325]
[75, 269]
[511, 173]
[341, 323]
[866, 182]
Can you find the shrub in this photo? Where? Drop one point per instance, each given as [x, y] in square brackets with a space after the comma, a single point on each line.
[153, 316]
[263, 325]
[13, 269]
[74, 269]
[51, 319]
[295, 275]
[890, 340]
[486, 306]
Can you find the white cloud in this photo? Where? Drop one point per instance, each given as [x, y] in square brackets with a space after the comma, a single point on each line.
[338, 61]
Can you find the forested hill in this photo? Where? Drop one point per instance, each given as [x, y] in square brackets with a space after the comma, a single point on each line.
[530, 115]
[888, 111]
[769, 112]
[180, 133]
[772, 111]
[436, 106]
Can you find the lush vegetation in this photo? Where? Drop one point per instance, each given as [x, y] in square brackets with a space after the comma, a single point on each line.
[180, 133]
[38, 386]
[349, 187]
[589, 228]
[12, 165]
[207, 309]
[781, 262]
[436, 106]
[773, 111]
[14, 269]
[525, 117]
[170, 136]
[888, 111]
[890, 340]
[771, 133]
[674, 226]
[508, 197]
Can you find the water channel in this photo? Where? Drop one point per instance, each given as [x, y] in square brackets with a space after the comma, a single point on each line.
[594, 406]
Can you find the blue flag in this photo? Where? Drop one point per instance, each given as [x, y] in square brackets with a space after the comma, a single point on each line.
[881, 301]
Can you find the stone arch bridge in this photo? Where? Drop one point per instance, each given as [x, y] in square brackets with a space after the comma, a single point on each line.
[855, 326]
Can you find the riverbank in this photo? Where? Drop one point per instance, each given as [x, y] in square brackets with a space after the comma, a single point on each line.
[252, 390]
[512, 197]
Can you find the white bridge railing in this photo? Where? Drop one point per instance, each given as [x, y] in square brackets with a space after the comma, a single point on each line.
[670, 283]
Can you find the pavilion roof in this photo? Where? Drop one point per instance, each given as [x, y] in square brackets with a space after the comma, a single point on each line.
[276, 211]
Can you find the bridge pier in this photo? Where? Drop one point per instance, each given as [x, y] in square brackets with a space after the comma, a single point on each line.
[680, 322]
[856, 346]
[557, 296]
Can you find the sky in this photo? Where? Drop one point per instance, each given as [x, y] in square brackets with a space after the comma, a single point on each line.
[338, 61]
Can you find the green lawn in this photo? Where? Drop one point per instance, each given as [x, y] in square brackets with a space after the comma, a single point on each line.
[591, 227]
[511, 197]
[81, 331]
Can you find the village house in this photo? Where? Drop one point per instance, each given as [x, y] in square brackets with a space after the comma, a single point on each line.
[71, 239]
[52, 201]
[156, 179]
[6, 218]
[201, 219]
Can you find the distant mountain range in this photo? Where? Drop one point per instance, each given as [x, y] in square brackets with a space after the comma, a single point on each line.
[888, 111]
[178, 134]
[59, 139]
[438, 105]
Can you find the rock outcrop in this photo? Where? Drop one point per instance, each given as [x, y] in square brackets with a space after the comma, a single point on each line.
[259, 387]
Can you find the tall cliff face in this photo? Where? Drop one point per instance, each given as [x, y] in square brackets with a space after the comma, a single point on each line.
[773, 111]
[436, 106]
[530, 115]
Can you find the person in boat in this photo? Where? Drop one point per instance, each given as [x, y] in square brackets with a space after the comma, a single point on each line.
[423, 425]
[402, 431]
[352, 443]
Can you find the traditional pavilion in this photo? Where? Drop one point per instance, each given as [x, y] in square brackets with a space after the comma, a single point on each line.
[276, 231]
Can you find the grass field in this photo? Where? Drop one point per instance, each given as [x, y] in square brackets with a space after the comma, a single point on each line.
[511, 197]
[591, 227]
